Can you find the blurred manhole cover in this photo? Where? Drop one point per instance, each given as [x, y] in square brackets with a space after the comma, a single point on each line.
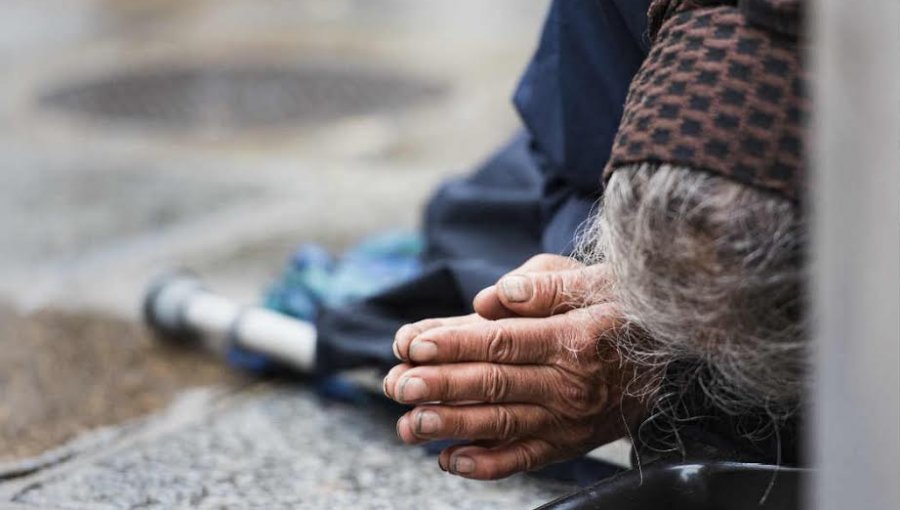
[240, 97]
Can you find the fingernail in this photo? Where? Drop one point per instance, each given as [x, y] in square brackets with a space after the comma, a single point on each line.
[463, 465]
[397, 427]
[427, 422]
[384, 386]
[441, 465]
[390, 382]
[402, 333]
[412, 389]
[517, 289]
[422, 350]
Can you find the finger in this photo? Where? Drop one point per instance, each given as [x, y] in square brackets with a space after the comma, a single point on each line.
[446, 453]
[390, 380]
[550, 293]
[409, 331]
[484, 463]
[495, 422]
[488, 304]
[507, 341]
[476, 382]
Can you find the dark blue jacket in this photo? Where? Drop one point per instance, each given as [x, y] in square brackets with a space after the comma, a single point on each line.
[571, 98]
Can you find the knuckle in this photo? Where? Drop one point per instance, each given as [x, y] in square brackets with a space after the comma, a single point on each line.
[449, 385]
[504, 423]
[581, 398]
[582, 408]
[576, 393]
[527, 456]
[582, 340]
[556, 291]
[458, 424]
[495, 384]
[499, 345]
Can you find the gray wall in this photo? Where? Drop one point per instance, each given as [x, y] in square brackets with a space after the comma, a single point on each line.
[856, 139]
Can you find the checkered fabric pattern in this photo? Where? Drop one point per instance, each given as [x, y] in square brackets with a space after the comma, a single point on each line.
[722, 91]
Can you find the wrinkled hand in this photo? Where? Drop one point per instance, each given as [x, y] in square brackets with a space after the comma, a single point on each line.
[539, 384]
[545, 285]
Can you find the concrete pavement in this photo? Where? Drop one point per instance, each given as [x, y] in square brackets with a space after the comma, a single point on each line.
[91, 205]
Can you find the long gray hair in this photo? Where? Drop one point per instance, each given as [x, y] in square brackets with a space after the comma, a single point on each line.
[710, 273]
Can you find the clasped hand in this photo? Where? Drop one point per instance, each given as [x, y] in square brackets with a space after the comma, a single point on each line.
[531, 378]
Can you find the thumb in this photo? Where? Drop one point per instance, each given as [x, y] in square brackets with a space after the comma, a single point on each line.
[548, 293]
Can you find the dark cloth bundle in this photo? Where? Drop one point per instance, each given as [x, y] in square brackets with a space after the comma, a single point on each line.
[723, 90]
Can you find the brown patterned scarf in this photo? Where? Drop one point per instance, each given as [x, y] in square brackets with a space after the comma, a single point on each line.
[723, 90]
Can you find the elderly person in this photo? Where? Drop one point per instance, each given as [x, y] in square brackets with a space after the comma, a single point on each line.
[680, 323]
